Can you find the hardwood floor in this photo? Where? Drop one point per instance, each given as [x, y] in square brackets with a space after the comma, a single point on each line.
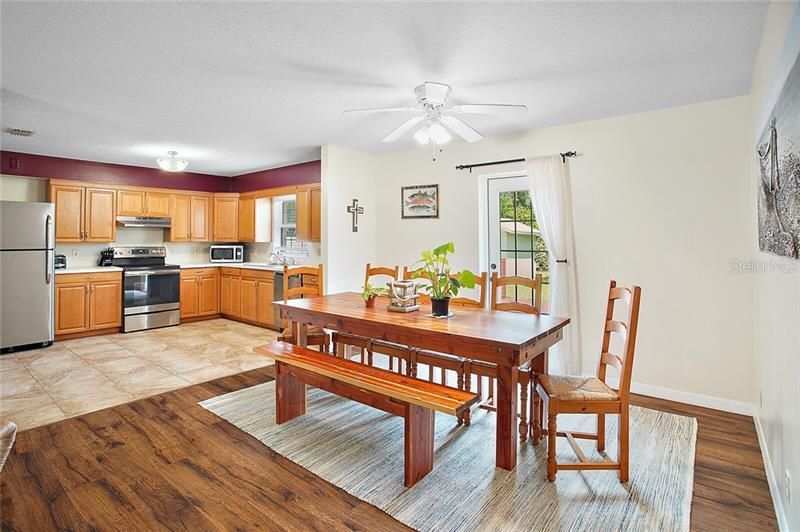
[165, 463]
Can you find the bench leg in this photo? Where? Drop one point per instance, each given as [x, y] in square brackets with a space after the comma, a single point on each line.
[418, 443]
[290, 395]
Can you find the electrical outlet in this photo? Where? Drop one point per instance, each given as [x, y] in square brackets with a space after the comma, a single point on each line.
[787, 486]
[74, 252]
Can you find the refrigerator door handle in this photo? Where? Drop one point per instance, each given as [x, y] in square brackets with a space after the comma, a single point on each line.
[48, 263]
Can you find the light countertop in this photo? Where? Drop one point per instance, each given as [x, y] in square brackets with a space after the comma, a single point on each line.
[88, 269]
[243, 265]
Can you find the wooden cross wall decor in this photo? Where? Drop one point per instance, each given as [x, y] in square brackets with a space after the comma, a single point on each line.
[355, 210]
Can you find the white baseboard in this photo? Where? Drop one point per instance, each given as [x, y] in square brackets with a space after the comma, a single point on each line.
[707, 401]
[726, 405]
[774, 487]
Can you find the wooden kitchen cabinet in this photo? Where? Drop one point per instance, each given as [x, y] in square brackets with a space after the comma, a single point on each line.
[247, 220]
[309, 205]
[208, 295]
[105, 304]
[226, 218]
[72, 307]
[248, 309]
[190, 218]
[266, 312]
[84, 214]
[157, 204]
[230, 295]
[87, 302]
[69, 212]
[200, 219]
[142, 203]
[247, 294]
[100, 215]
[199, 292]
[190, 299]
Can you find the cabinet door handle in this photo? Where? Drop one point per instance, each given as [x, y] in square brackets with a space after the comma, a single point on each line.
[87, 288]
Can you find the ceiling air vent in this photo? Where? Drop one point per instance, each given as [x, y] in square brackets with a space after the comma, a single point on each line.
[19, 132]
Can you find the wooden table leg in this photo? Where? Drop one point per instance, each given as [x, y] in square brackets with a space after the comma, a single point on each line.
[419, 431]
[506, 401]
[290, 395]
[302, 335]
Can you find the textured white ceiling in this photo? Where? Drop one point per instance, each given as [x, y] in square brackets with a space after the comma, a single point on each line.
[237, 87]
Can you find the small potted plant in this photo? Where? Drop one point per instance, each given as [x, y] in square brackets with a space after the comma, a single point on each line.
[443, 284]
[370, 293]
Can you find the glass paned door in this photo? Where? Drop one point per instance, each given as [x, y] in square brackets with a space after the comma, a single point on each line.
[515, 243]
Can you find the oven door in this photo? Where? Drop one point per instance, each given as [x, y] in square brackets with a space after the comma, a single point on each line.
[151, 291]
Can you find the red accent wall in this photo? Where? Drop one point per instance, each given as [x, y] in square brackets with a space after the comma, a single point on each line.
[296, 174]
[29, 165]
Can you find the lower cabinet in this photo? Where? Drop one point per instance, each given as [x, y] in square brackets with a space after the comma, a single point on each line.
[87, 302]
[199, 292]
[247, 295]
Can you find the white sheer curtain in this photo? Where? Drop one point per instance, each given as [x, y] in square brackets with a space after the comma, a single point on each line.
[552, 205]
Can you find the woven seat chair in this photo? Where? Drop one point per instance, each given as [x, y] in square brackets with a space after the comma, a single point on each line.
[315, 335]
[565, 394]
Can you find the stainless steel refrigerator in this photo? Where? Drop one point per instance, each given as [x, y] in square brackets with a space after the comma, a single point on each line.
[26, 274]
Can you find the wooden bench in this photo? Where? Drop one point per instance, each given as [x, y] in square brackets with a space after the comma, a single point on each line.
[413, 400]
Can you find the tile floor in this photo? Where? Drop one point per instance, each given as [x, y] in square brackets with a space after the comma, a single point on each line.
[78, 376]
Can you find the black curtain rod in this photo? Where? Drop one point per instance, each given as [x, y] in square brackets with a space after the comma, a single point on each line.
[563, 155]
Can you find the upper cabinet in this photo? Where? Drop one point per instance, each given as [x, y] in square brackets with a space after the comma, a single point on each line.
[141, 203]
[84, 214]
[226, 218]
[88, 212]
[309, 204]
[191, 218]
[247, 220]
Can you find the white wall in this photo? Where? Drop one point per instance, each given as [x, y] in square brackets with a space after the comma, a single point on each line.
[13, 188]
[776, 304]
[661, 199]
[347, 174]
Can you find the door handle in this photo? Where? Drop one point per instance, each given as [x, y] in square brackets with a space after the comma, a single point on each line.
[493, 266]
[48, 223]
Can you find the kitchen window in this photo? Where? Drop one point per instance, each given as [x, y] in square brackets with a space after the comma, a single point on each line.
[284, 224]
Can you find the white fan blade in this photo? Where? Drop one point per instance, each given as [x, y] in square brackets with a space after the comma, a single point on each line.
[488, 108]
[463, 130]
[383, 110]
[405, 126]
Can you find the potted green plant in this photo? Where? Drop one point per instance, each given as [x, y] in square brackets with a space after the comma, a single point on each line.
[370, 293]
[443, 283]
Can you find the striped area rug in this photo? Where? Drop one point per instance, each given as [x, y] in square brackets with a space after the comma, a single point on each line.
[360, 450]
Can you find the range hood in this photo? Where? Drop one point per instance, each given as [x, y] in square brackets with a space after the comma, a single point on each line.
[144, 221]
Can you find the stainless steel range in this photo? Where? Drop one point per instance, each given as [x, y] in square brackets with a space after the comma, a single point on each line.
[150, 288]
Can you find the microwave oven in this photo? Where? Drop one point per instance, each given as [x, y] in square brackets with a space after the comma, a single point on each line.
[227, 253]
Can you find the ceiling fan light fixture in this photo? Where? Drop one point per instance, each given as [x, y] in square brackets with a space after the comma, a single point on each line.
[438, 134]
[422, 135]
[172, 163]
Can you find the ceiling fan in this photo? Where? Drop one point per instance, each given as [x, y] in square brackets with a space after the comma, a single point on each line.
[437, 118]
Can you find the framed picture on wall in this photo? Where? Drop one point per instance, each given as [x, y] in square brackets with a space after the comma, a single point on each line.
[420, 201]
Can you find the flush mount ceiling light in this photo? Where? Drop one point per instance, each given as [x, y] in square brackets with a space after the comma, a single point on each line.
[171, 163]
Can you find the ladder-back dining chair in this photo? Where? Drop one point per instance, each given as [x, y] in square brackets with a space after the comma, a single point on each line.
[591, 395]
[341, 341]
[309, 285]
[504, 283]
[500, 302]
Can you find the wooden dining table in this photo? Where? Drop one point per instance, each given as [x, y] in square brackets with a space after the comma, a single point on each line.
[507, 339]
